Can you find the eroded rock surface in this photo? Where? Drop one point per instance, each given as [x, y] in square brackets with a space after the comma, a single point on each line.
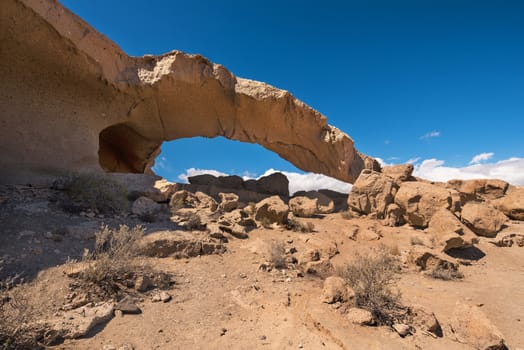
[61, 78]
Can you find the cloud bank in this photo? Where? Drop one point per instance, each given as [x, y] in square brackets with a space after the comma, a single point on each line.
[510, 170]
[430, 135]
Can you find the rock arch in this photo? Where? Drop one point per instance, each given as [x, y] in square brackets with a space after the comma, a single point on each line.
[77, 102]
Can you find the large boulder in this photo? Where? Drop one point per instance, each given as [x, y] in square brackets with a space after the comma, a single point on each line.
[420, 200]
[327, 201]
[483, 218]
[303, 206]
[400, 172]
[371, 193]
[448, 232]
[276, 183]
[272, 210]
[144, 206]
[198, 200]
[470, 326]
[479, 189]
[512, 204]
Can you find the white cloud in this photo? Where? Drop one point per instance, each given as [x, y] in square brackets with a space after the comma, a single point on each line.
[193, 172]
[510, 170]
[412, 160]
[481, 157]
[311, 182]
[297, 181]
[430, 134]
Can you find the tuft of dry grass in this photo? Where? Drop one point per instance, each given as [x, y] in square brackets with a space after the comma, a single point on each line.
[372, 278]
[193, 222]
[277, 255]
[300, 226]
[445, 273]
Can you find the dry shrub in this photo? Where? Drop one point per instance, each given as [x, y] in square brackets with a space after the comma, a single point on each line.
[348, 215]
[193, 221]
[372, 278]
[415, 240]
[17, 329]
[111, 264]
[96, 192]
[445, 273]
[300, 226]
[277, 255]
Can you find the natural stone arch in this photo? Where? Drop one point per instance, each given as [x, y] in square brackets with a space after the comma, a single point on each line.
[77, 102]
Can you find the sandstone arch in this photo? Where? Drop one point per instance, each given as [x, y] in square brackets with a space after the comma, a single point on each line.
[75, 101]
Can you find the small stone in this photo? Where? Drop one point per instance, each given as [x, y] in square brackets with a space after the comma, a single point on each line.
[402, 329]
[223, 331]
[119, 313]
[242, 275]
[143, 283]
[360, 317]
[263, 337]
[165, 297]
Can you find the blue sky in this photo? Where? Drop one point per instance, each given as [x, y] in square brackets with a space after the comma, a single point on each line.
[436, 83]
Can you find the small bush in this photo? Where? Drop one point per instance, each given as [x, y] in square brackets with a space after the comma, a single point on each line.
[96, 192]
[17, 330]
[299, 226]
[445, 273]
[193, 222]
[416, 241]
[111, 262]
[372, 277]
[277, 253]
[348, 215]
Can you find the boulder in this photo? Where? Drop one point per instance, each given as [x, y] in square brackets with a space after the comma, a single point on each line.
[231, 181]
[420, 200]
[479, 189]
[483, 218]
[325, 202]
[431, 262]
[510, 239]
[359, 316]
[470, 326]
[336, 290]
[303, 206]
[272, 210]
[399, 173]
[449, 232]
[371, 193]
[424, 320]
[145, 206]
[275, 184]
[394, 215]
[512, 204]
[116, 110]
[228, 202]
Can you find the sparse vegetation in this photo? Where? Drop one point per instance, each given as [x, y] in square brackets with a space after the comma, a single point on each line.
[277, 253]
[193, 222]
[446, 273]
[95, 192]
[348, 215]
[111, 263]
[415, 240]
[300, 226]
[372, 278]
[266, 223]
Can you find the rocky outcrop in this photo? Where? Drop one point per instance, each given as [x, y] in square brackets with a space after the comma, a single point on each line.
[479, 189]
[512, 204]
[74, 101]
[448, 232]
[399, 172]
[272, 210]
[303, 206]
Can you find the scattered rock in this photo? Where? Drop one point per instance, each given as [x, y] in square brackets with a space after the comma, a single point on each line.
[483, 218]
[360, 316]
[336, 290]
[303, 206]
[471, 326]
[161, 297]
[510, 240]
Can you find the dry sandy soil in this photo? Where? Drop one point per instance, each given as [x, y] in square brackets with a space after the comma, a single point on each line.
[227, 301]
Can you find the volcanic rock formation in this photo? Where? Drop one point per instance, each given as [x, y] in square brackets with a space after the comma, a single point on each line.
[74, 101]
